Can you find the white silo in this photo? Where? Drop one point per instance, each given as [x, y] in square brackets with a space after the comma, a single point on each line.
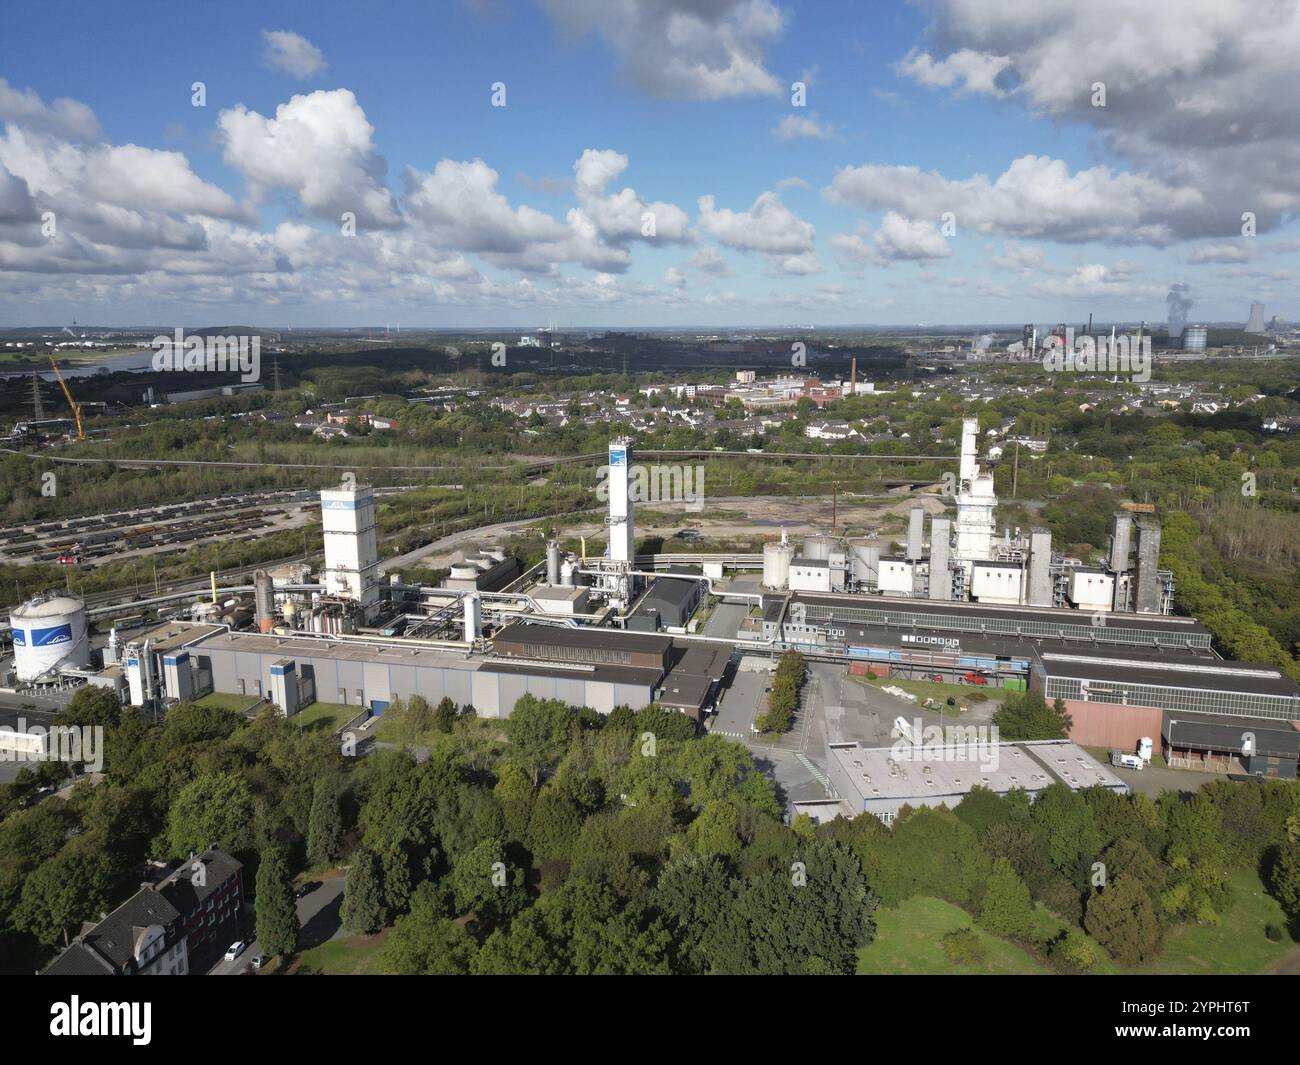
[819, 547]
[49, 631]
[865, 552]
[776, 563]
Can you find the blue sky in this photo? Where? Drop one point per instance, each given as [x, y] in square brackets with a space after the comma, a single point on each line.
[768, 213]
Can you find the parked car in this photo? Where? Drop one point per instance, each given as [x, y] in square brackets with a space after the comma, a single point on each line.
[236, 949]
[975, 678]
[259, 960]
[306, 889]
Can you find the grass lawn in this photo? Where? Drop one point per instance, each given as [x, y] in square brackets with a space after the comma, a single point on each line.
[965, 694]
[237, 703]
[324, 717]
[909, 941]
[1235, 945]
[350, 956]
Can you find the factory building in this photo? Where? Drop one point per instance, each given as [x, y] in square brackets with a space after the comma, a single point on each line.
[827, 618]
[875, 780]
[668, 604]
[965, 561]
[1219, 744]
[1115, 696]
[600, 668]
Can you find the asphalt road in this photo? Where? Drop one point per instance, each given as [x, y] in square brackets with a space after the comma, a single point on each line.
[318, 921]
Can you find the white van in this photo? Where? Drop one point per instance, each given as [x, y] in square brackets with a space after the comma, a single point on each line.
[1126, 761]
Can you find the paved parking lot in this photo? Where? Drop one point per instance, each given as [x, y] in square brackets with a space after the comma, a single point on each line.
[318, 921]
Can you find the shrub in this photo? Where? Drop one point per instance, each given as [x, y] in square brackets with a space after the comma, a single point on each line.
[962, 946]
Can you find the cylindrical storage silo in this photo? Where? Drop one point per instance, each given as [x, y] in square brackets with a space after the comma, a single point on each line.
[818, 547]
[776, 564]
[553, 563]
[866, 560]
[263, 600]
[48, 632]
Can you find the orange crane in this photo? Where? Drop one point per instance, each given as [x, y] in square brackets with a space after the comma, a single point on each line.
[76, 410]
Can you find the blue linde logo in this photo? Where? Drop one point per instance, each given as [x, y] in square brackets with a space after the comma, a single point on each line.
[618, 457]
[43, 637]
[339, 504]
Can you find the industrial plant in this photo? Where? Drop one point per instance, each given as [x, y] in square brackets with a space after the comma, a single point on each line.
[961, 605]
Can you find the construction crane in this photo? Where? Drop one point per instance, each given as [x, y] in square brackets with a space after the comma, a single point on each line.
[76, 410]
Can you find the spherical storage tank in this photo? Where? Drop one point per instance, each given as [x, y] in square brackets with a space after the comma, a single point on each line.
[776, 564]
[49, 632]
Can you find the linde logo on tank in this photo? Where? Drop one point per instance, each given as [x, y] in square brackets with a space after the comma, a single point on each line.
[43, 637]
[212, 354]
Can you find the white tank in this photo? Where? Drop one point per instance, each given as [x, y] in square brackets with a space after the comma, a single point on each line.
[776, 564]
[819, 547]
[865, 553]
[464, 571]
[48, 632]
[568, 573]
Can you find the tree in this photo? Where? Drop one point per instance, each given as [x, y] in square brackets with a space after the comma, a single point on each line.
[1026, 716]
[325, 825]
[1285, 880]
[425, 942]
[277, 916]
[1122, 920]
[72, 887]
[539, 732]
[91, 705]
[444, 714]
[215, 809]
[486, 882]
[1006, 909]
[363, 907]
[1074, 951]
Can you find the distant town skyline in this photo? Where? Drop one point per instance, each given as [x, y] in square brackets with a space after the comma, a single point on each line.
[631, 164]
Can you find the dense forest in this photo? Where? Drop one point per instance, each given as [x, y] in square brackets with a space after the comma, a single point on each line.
[561, 841]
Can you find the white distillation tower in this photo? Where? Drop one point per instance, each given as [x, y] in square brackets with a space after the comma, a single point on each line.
[615, 570]
[351, 551]
[976, 503]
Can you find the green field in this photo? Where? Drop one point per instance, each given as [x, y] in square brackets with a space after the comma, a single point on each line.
[325, 717]
[909, 940]
[1235, 945]
[350, 956]
[236, 703]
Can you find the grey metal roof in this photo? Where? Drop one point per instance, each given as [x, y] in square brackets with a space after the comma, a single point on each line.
[1173, 671]
[1216, 732]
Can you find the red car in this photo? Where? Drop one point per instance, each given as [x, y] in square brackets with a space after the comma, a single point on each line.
[975, 678]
